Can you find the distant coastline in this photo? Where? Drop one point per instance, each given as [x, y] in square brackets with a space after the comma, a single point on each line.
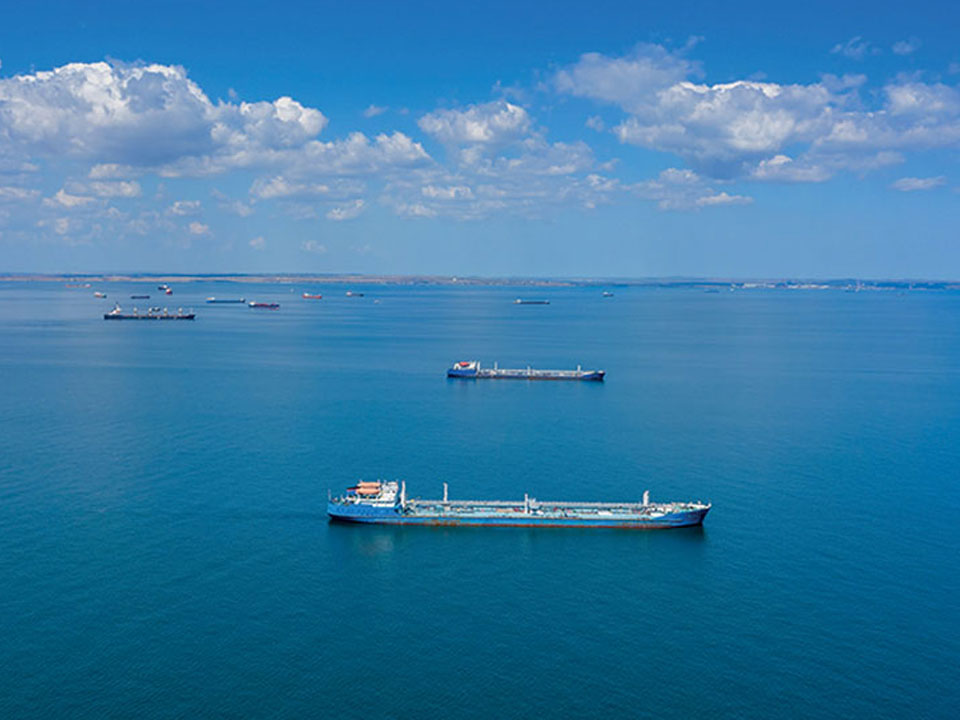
[450, 280]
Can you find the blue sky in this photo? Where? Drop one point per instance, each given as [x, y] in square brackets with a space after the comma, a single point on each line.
[570, 138]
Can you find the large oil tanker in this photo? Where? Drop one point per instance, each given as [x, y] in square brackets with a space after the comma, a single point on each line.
[387, 503]
[154, 313]
[471, 370]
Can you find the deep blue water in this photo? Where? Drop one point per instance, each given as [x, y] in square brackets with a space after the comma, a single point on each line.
[164, 550]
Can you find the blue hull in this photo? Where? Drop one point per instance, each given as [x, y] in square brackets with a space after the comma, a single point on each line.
[596, 375]
[393, 516]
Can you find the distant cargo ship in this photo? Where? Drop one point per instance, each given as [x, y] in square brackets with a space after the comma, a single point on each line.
[471, 370]
[351, 293]
[386, 503]
[139, 297]
[151, 314]
[521, 301]
[308, 296]
[99, 294]
[264, 306]
[226, 301]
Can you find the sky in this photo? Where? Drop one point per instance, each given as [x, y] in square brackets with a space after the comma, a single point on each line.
[601, 139]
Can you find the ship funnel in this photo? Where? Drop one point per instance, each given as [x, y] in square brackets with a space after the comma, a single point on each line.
[646, 497]
[445, 492]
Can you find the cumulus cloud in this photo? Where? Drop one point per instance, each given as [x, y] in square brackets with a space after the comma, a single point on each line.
[12, 193]
[355, 155]
[64, 199]
[121, 189]
[131, 119]
[855, 48]
[488, 123]
[627, 81]
[906, 47]
[346, 212]
[374, 110]
[126, 121]
[913, 184]
[676, 189]
[414, 210]
[783, 168]
[312, 246]
[185, 207]
[765, 130]
[529, 177]
[258, 243]
[595, 122]
[450, 192]
[722, 198]
[234, 207]
[198, 228]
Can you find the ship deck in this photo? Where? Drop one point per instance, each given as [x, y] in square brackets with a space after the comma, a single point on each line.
[542, 509]
[531, 374]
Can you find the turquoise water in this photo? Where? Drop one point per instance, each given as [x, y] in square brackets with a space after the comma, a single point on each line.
[164, 550]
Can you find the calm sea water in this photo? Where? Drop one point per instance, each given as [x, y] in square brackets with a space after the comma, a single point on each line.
[164, 549]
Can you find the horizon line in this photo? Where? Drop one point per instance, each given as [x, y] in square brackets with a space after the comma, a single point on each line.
[453, 279]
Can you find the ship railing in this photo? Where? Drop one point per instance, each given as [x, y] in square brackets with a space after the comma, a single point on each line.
[529, 372]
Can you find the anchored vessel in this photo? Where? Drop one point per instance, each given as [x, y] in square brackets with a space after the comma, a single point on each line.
[264, 305]
[521, 301]
[226, 301]
[151, 314]
[387, 503]
[470, 369]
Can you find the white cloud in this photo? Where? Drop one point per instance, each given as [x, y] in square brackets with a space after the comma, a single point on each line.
[415, 210]
[676, 189]
[782, 168]
[630, 81]
[913, 184]
[198, 228]
[142, 116]
[346, 212]
[312, 246]
[723, 198]
[855, 48]
[185, 207]
[122, 189]
[278, 187]
[595, 122]
[64, 199]
[108, 171]
[12, 193]
[258, 243]
[237, 207]
[489, 123]
[126, 121]
[450, 192]
[721, 126]
[234, 207]
[530, 177]
[766, 130]
[374, 110]
[906, 47]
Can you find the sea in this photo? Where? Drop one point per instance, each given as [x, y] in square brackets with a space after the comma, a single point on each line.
[165, 550]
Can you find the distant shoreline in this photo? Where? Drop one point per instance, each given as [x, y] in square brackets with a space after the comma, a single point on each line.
[449, 280]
